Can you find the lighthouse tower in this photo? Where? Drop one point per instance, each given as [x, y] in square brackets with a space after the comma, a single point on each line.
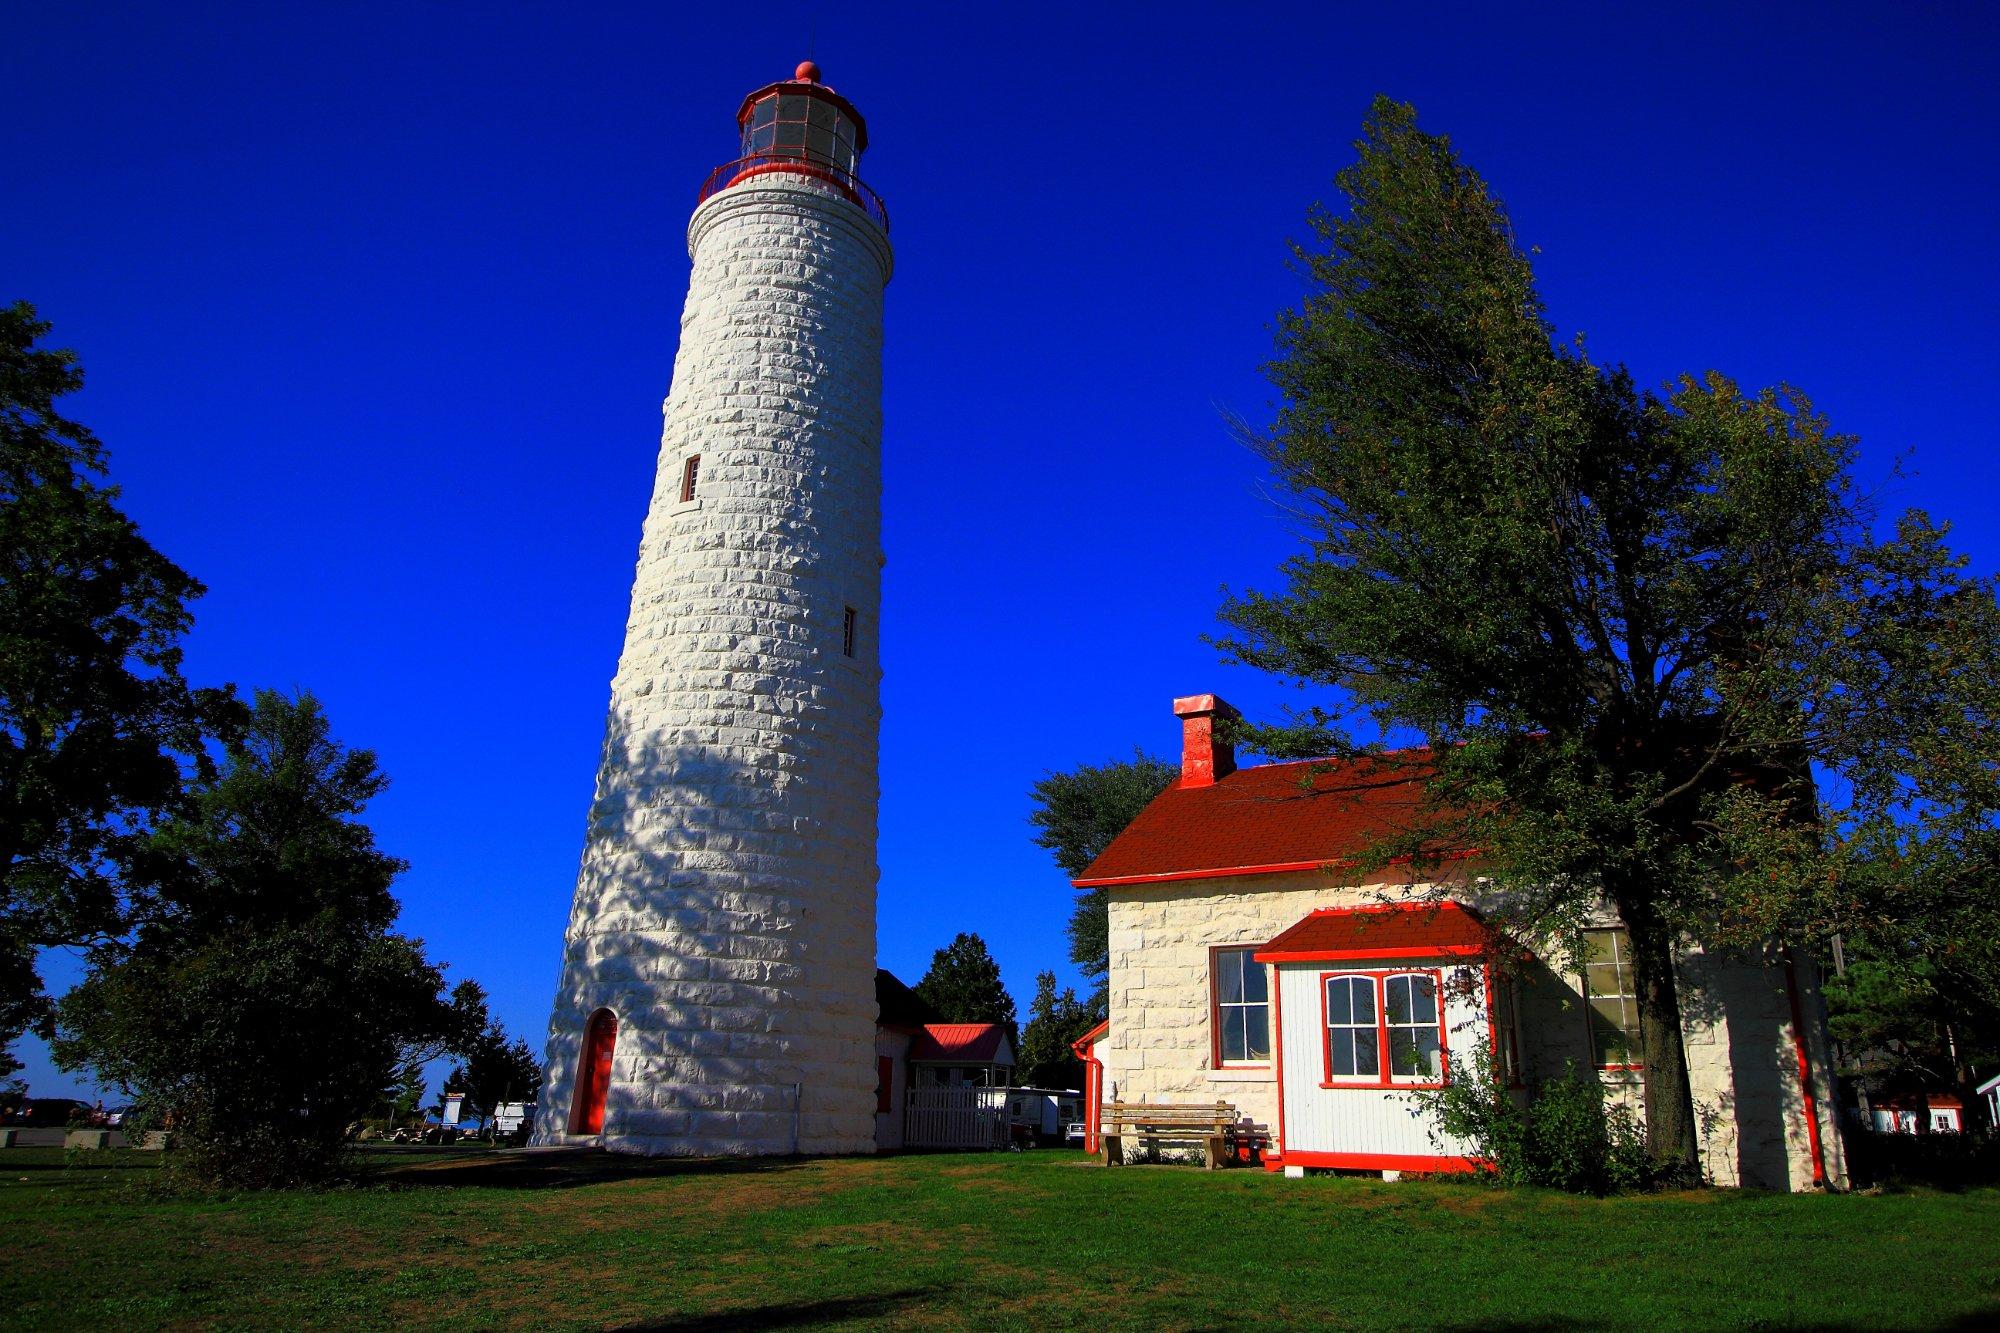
[718, 974]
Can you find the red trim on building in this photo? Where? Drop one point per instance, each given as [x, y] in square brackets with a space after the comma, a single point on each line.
[593, 1073]
[1811, 1105]
[1368, 1161]
[1093, 1082]
[1278, 1060]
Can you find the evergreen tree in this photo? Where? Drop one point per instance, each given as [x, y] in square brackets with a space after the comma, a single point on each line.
[1055, 1020]
[963, 986]
[1620, 620]
[263, 1002]
[96, 723]
[1078, 814]
[496, 1069]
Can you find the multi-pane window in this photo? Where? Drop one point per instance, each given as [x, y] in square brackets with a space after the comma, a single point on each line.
[1242, 1008]
[1507, 1038]
[1411, 1006]
[798, 125]
[847, 633]
[1614, 1000]
[690, 472]
[1353, 1042]
[1384, 1027]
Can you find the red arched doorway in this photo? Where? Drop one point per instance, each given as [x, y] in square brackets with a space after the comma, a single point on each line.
[593, 1073]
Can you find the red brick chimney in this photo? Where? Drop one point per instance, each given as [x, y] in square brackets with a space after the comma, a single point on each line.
[1204, 759]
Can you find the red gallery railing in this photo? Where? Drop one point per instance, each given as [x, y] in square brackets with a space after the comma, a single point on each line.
[846, 182]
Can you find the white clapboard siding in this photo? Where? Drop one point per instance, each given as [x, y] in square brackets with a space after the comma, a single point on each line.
[955, 1118]
[1375, 1121]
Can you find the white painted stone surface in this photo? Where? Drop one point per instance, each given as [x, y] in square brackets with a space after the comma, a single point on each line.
[1741, 1061]
[725, 908]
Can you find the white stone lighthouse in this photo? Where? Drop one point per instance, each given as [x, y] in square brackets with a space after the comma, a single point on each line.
[717, 991]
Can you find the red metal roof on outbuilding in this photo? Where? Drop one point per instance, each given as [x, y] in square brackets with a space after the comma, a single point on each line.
[972, 1043]
[1276, 817]
[1392, 930]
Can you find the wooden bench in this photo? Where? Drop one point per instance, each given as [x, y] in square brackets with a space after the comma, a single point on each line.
[1166, 1122]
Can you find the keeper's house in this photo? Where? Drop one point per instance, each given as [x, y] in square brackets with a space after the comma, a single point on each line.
[1246, 968]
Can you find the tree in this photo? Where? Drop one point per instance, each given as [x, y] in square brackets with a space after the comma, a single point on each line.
[1055, 1020]
[96, 724]
[263, 1003]
[963, 986]
[496, 1070]
[1078, 814]
[1614, 617]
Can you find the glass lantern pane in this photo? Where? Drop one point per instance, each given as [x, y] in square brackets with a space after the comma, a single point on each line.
[819, 143]
[761, 139]
[790, 135]
[820, 113]
[764, 112]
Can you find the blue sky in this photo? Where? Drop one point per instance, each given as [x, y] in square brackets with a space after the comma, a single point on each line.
[378, 306]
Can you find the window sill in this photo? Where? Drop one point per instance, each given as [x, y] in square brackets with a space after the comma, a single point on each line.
[1242, 1074]
[1386, 1087]
[685, 507]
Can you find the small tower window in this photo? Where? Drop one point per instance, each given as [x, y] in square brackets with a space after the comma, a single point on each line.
[847, 633]
[690, 471]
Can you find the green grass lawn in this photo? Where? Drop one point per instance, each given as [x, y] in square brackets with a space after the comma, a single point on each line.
[478, 1240]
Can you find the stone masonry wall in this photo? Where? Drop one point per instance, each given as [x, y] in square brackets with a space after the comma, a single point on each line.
[1741, 1060]
[725, 907]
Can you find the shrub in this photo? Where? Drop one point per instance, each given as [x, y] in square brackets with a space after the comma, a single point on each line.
[1560, 1134]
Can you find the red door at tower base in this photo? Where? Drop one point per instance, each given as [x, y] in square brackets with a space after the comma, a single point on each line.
[593, 1074]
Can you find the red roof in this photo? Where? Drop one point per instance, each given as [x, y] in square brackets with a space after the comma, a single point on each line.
[1297, 816]
[1392, 930]
[966, 1043]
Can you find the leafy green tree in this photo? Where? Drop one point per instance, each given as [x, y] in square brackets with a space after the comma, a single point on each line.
[1055, 1019]
[963, 986]
[1078, 814]
[263, 1002]
[1620, 620]
[96, 723]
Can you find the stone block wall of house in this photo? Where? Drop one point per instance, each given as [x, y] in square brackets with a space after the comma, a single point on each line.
[1742, 1061]
[725, 907]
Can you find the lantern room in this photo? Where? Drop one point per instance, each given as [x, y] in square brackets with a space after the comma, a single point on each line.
[801, 117]
[801, 126]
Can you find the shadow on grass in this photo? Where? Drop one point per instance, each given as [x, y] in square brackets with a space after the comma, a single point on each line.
[555, 1168]
[795, 1314]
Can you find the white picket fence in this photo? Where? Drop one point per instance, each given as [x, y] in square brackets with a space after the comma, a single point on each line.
[955, 1118]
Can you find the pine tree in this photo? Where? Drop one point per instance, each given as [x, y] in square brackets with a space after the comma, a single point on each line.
[1078, 814]
[963, 986]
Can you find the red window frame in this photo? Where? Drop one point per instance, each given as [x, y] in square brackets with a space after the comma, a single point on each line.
[690, 474]
[1215, 1058]
[1384, 1078]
